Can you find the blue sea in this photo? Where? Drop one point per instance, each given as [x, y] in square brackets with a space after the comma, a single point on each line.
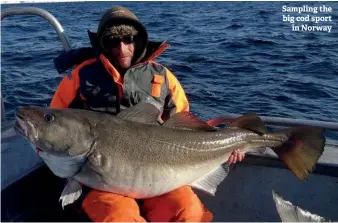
[230, 57]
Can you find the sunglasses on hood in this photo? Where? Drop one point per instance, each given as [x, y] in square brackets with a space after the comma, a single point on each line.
[113, 42]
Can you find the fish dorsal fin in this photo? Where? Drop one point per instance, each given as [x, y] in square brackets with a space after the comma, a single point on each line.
[209, 182]
[147, 113]
[250, 122]
[186, 120]
[218, 121]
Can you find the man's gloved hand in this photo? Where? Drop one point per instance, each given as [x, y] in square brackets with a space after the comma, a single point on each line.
[235, 156]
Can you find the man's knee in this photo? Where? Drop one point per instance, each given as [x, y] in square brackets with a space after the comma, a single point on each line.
[181, 204]
[109, 207]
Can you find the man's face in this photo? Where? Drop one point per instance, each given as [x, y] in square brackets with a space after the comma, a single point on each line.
[123, 53]
[119, 42]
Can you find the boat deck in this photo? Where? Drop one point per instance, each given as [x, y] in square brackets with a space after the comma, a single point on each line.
[30, 192]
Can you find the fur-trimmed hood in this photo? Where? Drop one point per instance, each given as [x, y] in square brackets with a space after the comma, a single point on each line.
[118, 15]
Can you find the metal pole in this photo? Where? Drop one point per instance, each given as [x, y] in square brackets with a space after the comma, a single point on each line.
[333, 126]
[44, 14]
[297, 122]
[2, 109]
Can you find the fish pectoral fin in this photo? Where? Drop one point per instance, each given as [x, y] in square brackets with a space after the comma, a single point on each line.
[291, 213]
[143, 112]
[70, 193]
[250, 122]
[285, 209]
[209, 182]
[186, 120]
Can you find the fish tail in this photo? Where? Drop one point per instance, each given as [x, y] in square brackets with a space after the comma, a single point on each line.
[302, 150]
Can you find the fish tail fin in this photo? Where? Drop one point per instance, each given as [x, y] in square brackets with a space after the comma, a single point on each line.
[302, 150]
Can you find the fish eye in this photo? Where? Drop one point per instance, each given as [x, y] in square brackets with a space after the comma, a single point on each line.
[49, 117]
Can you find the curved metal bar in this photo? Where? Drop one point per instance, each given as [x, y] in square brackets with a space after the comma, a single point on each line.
[2, 109]
[333, 126]
[44, 14]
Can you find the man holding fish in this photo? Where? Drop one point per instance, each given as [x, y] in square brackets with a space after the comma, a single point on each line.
[108, 83]
[131, 156]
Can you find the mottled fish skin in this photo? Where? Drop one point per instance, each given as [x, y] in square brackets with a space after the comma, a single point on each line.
[140, 160]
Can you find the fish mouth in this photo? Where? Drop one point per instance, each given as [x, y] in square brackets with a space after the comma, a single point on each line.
[21, 125]
[24, 127]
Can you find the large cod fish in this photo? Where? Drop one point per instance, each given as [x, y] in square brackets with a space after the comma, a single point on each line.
[133, 155]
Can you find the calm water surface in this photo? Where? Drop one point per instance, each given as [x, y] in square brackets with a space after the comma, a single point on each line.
[231, 57]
